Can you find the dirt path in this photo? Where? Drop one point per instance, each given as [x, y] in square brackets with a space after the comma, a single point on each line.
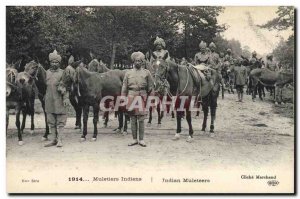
[249, 137]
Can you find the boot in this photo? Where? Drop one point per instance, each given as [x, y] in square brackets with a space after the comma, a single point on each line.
[54, 142]
[241, 97]
[59, 138]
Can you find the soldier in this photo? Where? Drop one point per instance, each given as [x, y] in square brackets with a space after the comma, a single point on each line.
[240, 76]
[271, 64]
[252, 60]
[56, 100]
[137, 83]
[214, 59]
[203, 55]
[228, 57]
[183, 62]
[160, 46]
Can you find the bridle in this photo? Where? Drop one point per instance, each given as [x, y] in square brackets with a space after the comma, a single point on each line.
[165, 83]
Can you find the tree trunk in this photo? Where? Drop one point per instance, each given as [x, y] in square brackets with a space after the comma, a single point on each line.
[113, 55]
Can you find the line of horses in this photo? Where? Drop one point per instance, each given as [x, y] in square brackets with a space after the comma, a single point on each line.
[88, 84]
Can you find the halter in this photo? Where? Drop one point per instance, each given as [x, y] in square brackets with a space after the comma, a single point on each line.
[165, 81]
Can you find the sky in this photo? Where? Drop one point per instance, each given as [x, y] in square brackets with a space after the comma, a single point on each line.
[241, 28]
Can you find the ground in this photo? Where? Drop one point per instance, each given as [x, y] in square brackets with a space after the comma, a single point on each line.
[250, 137]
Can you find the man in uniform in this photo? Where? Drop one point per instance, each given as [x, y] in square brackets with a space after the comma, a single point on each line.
[228, 57]
[203, 55]
[160, 46]
[56, 100]
[240, 76]
[253, 60]
[271, 64]
[214, 59]
[137, 83]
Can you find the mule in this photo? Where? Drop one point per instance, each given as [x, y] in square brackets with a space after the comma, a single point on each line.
[182, 84]
[270, 78]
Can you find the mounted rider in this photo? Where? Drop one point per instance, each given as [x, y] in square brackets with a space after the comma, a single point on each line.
[214, 58]
[228, 57]
[202, 57]
[160, 51]
[253, 60]
[271, 64]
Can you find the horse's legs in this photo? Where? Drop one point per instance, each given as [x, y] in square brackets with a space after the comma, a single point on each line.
[160, 115]
[189, 121]
[259, 88]
[205, 111]
[45, 136]
[150, 115]
[126, 122]
[23, 120]
[213, 117]
[178, 118]
[96, 109]
[18, 111]
[173, 115]
[85, 120]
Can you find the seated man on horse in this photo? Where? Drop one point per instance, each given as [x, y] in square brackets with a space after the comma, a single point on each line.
[271, 64]
[160, 50]
[214, 58]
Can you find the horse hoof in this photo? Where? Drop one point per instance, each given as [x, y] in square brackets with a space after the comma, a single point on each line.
[82, 139]
[124, 133]
[117, 131]
[21, 143]
[148, 124]
[176, 137]
[203, 129]
[31, 132]
[44, 139]
[189, 139]
[77, 127]
[93, 139]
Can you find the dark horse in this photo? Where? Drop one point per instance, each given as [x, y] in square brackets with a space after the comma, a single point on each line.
[37, 73]
[123, 118]
[93, 87]
[20, 95]
[182, 83]
[266, 77]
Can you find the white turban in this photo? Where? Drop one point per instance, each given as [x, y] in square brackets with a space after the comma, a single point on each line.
[54, 56]
[137, 55]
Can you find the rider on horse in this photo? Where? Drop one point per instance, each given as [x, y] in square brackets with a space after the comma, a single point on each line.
[271, 64]
[214, 58]
[160, 50]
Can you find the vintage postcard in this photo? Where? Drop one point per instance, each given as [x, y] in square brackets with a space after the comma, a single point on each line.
[160, 99]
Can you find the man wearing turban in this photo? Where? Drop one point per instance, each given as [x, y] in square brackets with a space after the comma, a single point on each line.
[252, 60]
[214, 58]
[271, 64]
[137, 84]
[56, 100]
[202, 57]
[240, 77]
[160, 46]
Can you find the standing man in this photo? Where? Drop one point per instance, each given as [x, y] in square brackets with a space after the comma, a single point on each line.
[253, 60]
[240, 76]
[271, 64]
[56, 100]
[137, 84]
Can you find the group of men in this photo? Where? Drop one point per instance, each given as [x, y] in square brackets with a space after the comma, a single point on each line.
[137, 82]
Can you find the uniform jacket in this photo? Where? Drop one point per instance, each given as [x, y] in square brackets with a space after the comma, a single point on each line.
[137, 82]
[240, 74]
[54, 97]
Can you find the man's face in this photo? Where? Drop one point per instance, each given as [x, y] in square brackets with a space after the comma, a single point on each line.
[159, 47]
[203, 50]
[54, 64]
[138, 63]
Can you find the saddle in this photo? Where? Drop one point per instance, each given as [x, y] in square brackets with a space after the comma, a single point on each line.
[198, 74]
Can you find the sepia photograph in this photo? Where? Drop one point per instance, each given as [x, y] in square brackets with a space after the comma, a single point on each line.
[150, 99]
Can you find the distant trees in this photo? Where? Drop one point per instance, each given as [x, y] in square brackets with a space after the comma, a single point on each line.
[109, 33]
[284, 52]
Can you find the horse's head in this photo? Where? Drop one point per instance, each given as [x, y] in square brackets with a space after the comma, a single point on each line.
[32, 68]
[69, 76]
[258, 63]
[24, 80]
[93, 65]
[161, 67]
[11, 76]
